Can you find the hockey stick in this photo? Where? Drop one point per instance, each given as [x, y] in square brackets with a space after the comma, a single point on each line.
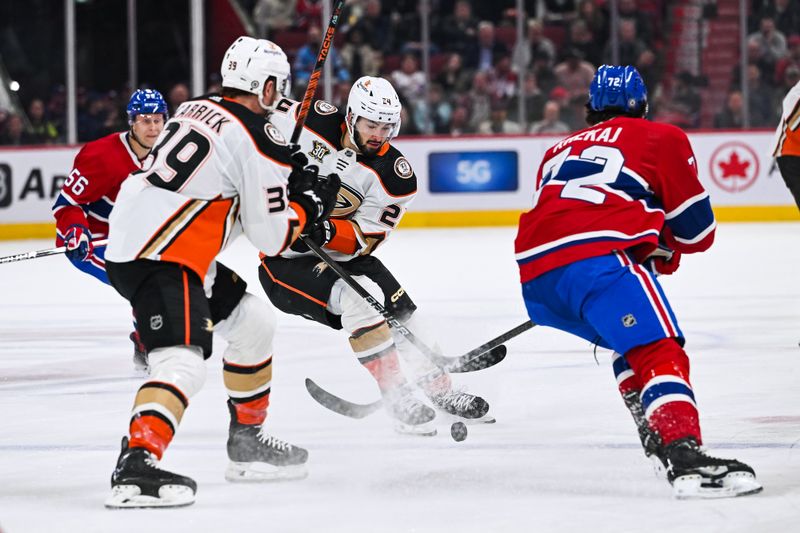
[358, 410]
[43, 253]
[313, 80]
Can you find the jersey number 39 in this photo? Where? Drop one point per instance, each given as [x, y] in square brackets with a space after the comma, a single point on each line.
[183, 158]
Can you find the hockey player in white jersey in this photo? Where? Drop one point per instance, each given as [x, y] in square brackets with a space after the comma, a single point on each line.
[219, 168]
[377, 185]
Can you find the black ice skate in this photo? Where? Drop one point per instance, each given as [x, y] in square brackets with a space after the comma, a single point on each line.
[463, 405]
[140, 362]
[410, 414]
[693, 474]
[256, 456]
[138, 482]
[650, 439]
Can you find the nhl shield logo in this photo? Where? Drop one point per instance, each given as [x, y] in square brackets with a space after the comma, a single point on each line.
[403, 168]
[319, 151]
[629, 320]
[156, 321]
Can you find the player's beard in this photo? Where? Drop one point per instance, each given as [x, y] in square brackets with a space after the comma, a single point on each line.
[364, 148]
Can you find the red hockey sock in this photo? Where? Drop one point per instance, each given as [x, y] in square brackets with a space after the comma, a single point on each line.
[248, 388]
[438, 385]
[157, 411]
[253, 412]
[667, 396]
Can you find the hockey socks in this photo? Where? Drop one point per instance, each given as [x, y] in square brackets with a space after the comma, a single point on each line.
[249, 388]
[377, 352]
[667, 397]
[157, 412]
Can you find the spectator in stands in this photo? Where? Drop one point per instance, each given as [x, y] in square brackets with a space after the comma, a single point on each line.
[647, 65]
[541, 48]
[791, 75]
[732, 115]
[580, 38]
[408, 31]
[177, 95]
[56, 108]
[772, 43]
[575, 74]
[502, 78]
[434, 118]
[308, 14]
[458, 32]
[595, 21]
[760, 99]
[479, 99]
[454, 78]
[14, 133]
[358, 57]
[272, 16]
[630, 45]
[498, 122]
[560, 10]
[407, 124]
[376, 27]
[551, 121]
[409, 80]
[42, 130]
[341, 92]
[306, 60]
[791, 59]
[785, 13]
[685, 102]
[534, 102]
[630, 10]
[460, 122]
[488, 50]
[572, 114]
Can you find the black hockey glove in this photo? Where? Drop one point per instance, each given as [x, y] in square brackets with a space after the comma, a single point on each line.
[321, 233]
[315, 194]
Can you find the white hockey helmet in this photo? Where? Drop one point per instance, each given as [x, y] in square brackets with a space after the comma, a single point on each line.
[374, 99]
[249, 63]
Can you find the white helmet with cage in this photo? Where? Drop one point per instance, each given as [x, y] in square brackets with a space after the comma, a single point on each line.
[249, 63]
[374, 99]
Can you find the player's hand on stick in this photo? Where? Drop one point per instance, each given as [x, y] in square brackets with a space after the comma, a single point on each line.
[663, 261]
[78, 242]
[321, 233]
[314, 193]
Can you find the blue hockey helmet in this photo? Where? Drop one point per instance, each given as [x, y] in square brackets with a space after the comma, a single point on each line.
[618, 88]
[146, 102]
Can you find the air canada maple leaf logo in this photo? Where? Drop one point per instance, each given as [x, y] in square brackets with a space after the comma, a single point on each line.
[734, 167]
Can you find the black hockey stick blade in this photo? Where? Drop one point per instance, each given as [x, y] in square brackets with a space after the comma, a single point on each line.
[473, 363]
[339, 405]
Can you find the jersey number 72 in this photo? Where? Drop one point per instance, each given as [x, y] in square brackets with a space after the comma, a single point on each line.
[577, 183]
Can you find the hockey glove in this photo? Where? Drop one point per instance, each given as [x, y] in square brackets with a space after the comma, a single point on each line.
[315, 194]
[321, 233]
[78, 242]
[663, 261]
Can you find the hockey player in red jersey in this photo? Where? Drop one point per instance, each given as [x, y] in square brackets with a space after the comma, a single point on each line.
[378, 184]
[616, 204]
[87, 197]
[218, 170]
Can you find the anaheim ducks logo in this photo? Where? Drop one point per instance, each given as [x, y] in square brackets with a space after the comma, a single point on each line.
[403, 168]
[347, 202]
[324, 108]
[274, 135]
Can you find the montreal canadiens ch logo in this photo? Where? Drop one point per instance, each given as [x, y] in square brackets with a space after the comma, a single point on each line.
[734, 167]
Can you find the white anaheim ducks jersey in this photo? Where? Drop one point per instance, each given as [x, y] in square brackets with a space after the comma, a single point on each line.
[787, 136]
[217, 169]
[376, 191]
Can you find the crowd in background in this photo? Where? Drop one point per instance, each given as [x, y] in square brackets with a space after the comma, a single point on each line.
[473, 87]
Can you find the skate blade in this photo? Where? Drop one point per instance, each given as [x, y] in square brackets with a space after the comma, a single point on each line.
[733, 485]
[131, 497]
[263, 472]
[420, 430]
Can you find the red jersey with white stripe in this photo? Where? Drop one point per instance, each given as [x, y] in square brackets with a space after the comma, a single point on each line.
[623, 184]
[90, 191]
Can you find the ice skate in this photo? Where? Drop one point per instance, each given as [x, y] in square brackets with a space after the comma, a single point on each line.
[472, 408]
[693, 474]
[140, 361]
[138, 482]
[411, 416]
[257, 456]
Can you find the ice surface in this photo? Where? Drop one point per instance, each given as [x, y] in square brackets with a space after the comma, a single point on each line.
[563, 455]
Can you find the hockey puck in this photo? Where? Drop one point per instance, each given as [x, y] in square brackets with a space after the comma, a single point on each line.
[458, 431]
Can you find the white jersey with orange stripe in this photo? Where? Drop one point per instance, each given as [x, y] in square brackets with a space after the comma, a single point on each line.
[216, 166]
[787, 135]
[375, 192]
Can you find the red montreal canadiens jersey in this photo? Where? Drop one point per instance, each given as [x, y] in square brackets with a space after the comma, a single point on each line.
[89, 193]
[623, 184]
